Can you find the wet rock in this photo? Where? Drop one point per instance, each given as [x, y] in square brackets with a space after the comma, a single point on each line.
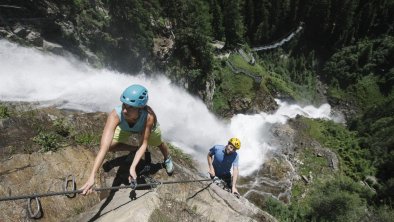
[162, 47]
[273, 179]
[35, 38]
[53, 47]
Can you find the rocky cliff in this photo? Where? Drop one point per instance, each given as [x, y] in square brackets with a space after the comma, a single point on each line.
[29, 165]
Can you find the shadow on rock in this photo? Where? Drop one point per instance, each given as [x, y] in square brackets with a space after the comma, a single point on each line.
[144, 170]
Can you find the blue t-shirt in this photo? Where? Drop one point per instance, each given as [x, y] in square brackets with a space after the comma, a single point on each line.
[222, 162]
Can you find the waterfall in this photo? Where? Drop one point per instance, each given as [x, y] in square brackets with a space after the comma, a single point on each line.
[27, 74]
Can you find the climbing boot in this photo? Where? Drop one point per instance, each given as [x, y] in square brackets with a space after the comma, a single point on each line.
[169, 165]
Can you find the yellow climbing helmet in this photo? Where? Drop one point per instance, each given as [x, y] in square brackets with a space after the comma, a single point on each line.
[235, 142]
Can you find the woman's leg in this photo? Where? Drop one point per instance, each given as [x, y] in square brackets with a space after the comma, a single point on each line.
[167, 158]
[155, 140]
[164, 150]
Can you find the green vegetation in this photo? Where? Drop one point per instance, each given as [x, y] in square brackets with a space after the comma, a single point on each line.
[345, 144]
[348, 45]
[87, 139]
[291, 77]
[376, 130]
[48, 141]
[339, 196]
[341, 199]
[177, 153]
[338, 200]
[278, 86]
[238, 62]
[231, 87]
[4, 112]
[62, 127]
[313, 164]
[361, 73]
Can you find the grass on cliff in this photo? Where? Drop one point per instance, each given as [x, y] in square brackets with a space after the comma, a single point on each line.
[239, 62]
[230, 85]
[179, 155]
[345, 143]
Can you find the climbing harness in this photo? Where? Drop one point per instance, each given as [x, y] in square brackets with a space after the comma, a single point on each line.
[70, 179]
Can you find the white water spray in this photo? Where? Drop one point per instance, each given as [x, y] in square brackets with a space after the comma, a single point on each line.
[27, 74]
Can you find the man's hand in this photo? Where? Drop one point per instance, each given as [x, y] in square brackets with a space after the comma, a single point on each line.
[235, 192]
[211, 173]
[88, 187]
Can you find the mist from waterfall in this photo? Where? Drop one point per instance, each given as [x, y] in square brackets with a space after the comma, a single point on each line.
[27, 74]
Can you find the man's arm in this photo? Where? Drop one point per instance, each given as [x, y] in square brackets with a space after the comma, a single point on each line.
[235, 177]
[211, 170]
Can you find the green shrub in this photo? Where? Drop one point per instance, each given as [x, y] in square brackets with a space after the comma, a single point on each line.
[338, 200]
[87, 139]
[279, 86]
[61, 127]
[383, 214]
[276, 208]
[4, 112]
[49, 141]
[345, 143]
[282, 212]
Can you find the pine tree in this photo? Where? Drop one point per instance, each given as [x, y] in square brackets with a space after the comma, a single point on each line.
[249, 19]
[217, 20]
[234, 29]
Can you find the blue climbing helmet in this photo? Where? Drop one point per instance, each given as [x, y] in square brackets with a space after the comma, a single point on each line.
[135, 96]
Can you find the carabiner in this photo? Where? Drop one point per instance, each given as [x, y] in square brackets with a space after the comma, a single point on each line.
[36, 214]
[65, 187]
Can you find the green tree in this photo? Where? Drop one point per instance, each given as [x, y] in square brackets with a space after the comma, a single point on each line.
[130, 25]
[217, 20]
[338, 200]
[262, 34]
[344, 29]
[234, 29]
[192, 49]
[249, 10]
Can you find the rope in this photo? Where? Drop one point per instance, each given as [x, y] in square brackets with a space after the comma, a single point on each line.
[97, 189]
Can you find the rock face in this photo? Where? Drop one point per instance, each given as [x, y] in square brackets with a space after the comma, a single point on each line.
[281, 170]
[273, 179]
[197, 201]
[27, 171]
[45, 172]
[24, 174]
